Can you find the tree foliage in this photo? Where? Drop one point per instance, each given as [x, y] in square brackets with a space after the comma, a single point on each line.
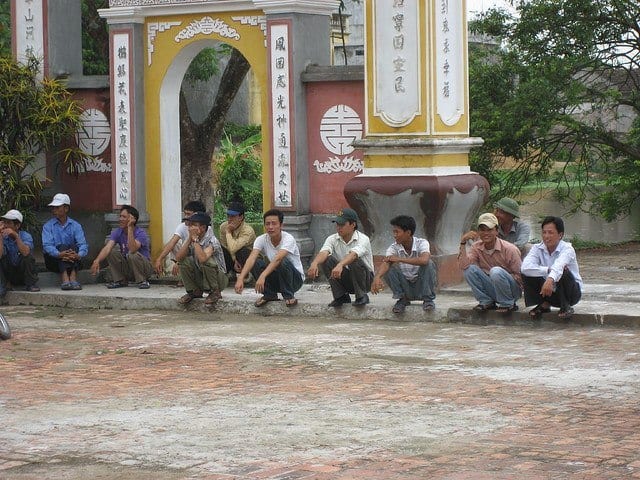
[5, 29]
[37, 116]
[561, 88]
[95, 38]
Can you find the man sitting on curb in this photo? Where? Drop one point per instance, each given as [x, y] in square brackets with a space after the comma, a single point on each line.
[17, 263]
[283, 273]
[491, 268]
[180, 235]
[510, 229]
[130, 261]
[236, 237]
[550, 273]
[201, 262]
[63, 243]
[347, 261]
[407, 267]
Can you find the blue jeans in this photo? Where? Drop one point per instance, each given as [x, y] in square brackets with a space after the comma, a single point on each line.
[422, 288]
[497, 287]
[284, 279]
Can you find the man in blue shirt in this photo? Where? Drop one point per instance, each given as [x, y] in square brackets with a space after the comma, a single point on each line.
[17, 263]
[64, 243]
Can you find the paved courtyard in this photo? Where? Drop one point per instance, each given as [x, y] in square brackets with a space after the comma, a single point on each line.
[187, 395]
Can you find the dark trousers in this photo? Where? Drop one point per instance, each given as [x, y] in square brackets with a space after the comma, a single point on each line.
[356, 278]
[24, 273]
[567, 291]
[284, 279]
[54, 264]
[241, 257]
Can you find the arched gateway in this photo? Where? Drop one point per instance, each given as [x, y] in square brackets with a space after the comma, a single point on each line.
[152, 44]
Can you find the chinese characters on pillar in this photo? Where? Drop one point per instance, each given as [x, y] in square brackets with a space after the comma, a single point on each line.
[29, 30]
[123, 161]
[281, 115]
[397, 62]
[450, 58]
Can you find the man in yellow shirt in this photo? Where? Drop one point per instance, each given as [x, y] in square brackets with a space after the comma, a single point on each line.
[236, 238]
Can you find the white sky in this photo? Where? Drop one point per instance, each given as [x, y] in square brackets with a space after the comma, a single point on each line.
[477, 6]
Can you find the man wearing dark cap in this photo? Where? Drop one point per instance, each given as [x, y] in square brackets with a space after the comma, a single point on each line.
[347, 261]
[514, 231]
[236, 237]
[491, 267]
[201, 262]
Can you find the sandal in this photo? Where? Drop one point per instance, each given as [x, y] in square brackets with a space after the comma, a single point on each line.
[537, 312]
[118, 284]
[565, 314]
[291, 302]
[483, 308]
[262, 301]
[509, 309]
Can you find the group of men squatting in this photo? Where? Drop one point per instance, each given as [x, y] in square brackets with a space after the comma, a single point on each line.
[497, 260]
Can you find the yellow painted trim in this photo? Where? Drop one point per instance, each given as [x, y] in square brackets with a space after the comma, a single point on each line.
[416, 161]
[251, 45]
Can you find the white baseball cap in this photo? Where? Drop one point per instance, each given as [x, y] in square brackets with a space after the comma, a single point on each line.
[13, 215]
[60, 199]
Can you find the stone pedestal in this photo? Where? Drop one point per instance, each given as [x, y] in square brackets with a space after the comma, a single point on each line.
[444, 206]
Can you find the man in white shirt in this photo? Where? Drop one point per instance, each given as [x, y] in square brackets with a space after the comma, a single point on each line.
[283, 273]
[346, 260]
[407, 267]
[550, 273]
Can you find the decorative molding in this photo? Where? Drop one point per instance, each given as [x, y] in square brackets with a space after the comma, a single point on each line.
[153, 29]
[254, 21]
[339, 165]
[206, 26]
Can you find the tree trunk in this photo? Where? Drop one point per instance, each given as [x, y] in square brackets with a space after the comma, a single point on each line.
[198, 142]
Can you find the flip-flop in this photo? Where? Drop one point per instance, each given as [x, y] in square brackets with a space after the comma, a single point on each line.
[262, 301]
[510, 308]
[483, 308]
[291, 302]
[565, 314]
[538, 311]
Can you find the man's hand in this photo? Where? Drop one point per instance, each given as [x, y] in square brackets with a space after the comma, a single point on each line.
[237, 267]
[391, 259]
[470, 235]
[9, 233]
[239, 286]
[158, 267]
[377, 286]
[312, 273]
[336, 273]
[95, 267]
[233, 224]
[260, 284]
[131, 221]
[547, 287]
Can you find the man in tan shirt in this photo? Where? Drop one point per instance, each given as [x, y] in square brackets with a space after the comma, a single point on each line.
[236, 238]
[491, 267]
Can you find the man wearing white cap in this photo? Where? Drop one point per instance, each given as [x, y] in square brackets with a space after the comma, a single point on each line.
[491, 267]
[63, 243]
[17, 263]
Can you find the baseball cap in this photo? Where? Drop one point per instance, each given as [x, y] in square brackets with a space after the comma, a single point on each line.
[235, 208]
[13, 215]
[508, 205]
[200, 217]
[60, 199]
[345, 215]
[488, 220]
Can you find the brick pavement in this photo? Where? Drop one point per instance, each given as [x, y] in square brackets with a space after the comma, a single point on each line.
[114, 394]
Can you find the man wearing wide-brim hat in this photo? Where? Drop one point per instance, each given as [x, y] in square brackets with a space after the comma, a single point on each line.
[514, 231]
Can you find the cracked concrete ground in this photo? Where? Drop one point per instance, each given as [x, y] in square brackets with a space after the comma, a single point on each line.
[175, 395]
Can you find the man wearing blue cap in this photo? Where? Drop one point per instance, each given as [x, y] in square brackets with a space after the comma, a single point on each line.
[236, 237]
[347, 261]
[201, 262]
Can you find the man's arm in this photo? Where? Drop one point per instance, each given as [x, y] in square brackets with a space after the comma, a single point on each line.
[348, 259]
[23, 248]
[532, 265]
[271, 266]
[245, 239]
[104, 253]
[253, 256]
[378, 285]
[182, 253]
[465, 259]
[321, 257]
[48, 243]
[168, 247]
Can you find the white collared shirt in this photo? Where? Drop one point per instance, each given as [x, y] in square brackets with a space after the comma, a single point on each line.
[359, 244]
[420, 246]
[540, 263]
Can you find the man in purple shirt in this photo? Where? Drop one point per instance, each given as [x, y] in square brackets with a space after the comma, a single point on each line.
[131, 261]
